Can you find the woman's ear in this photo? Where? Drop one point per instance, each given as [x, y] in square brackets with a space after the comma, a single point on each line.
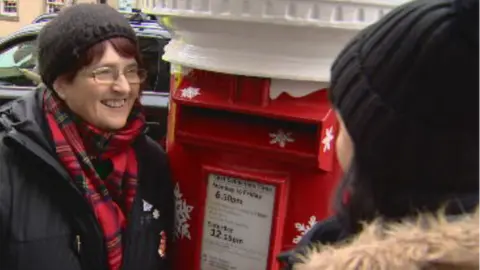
[343, 145]
[59, 87]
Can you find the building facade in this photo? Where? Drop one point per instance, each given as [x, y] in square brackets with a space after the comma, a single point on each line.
[16, 13]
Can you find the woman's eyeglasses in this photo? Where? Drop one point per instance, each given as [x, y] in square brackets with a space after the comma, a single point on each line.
[108, 75]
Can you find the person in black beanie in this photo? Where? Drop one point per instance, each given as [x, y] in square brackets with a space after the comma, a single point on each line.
[81, 184]
[406, 93]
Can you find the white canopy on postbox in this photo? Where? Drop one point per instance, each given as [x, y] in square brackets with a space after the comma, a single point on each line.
[280, 39]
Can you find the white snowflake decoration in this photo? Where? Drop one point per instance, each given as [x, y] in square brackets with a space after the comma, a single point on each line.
[156, 214]
[190, 92]
[327, 140]
[302, 229]
[147, 206]
[182, 215]
[281, 138]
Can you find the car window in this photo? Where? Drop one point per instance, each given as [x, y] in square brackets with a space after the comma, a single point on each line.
[21, 56]
[158, 70]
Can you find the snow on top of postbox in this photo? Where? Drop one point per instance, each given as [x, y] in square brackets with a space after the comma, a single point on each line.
[284, 39]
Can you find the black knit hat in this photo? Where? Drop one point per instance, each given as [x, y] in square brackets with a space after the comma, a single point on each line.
[419, 64]
[73, 31]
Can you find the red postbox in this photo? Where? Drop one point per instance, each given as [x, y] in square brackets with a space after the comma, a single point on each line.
[252, 173]
[250, 131]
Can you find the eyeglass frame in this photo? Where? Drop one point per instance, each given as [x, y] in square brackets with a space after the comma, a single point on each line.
[116, 74]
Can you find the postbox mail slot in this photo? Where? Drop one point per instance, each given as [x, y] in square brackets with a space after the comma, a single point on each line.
[228, 92]
[202, 125]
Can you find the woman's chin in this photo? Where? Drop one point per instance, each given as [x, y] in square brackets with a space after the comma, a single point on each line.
[111, 124]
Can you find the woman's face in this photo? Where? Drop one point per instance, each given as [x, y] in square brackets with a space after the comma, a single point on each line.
[102, 102]
[344, 145]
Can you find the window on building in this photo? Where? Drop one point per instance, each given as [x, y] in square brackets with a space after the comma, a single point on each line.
[8, 7]
[54, 6]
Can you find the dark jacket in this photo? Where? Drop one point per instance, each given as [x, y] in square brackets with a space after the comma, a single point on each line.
[45, 222]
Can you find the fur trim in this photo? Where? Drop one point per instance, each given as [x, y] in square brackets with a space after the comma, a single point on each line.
[429, 242]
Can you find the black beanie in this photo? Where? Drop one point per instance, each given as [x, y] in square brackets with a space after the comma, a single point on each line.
[72, 32]
[418, 64]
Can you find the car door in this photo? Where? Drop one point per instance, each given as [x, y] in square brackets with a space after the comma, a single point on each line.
[155, 97]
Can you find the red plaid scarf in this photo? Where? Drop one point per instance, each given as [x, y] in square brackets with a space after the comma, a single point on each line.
[119, 187]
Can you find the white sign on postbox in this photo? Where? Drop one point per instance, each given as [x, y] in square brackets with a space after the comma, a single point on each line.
[237, 224]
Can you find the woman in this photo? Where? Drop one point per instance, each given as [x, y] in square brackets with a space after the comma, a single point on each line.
[81, 185]
[406, 94]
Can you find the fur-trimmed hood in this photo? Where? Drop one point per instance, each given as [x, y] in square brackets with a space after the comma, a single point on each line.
[430, 242]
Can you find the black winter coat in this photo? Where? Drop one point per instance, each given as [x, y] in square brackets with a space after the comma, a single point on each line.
[45, 222]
